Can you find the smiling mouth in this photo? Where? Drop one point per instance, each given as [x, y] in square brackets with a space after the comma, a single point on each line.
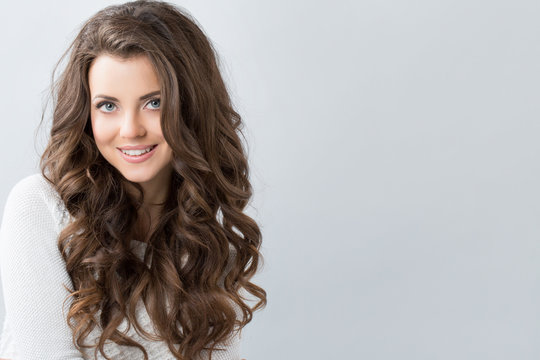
[138, 152]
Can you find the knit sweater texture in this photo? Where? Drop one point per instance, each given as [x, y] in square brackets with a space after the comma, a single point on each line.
[33, 276]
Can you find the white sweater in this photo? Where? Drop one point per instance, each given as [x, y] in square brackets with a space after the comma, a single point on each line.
[33, 273]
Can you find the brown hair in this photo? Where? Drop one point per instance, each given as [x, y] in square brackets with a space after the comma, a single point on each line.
[191, 303]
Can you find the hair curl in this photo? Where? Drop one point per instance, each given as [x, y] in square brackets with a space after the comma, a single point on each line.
[204, 249]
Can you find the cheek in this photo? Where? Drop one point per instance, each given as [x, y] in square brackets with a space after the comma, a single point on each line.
[159, 134]
[168, 152]
[103, 131]
[155, 128]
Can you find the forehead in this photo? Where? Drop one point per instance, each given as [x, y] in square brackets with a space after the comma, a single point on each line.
[119, 77]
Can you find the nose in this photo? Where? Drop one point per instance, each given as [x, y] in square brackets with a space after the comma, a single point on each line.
[132, 126]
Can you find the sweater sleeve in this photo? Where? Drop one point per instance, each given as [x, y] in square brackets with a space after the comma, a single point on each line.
[33, 273]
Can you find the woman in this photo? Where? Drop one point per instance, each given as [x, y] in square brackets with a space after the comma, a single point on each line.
[136, 219]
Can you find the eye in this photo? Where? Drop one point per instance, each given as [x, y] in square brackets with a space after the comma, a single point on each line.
[106, 106]
[154, 104]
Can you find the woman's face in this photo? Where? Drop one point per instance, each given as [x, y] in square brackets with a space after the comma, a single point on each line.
[125, 115]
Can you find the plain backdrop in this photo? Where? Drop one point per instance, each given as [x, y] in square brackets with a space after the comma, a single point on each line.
[394, 150]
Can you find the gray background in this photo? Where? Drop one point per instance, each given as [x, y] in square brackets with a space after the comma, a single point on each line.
[394, 149]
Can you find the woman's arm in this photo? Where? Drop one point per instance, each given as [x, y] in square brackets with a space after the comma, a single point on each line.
[33, 273]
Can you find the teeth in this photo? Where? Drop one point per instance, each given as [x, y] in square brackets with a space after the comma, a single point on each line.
[137, 152]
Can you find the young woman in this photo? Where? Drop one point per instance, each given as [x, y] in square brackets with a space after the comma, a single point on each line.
[132, 242]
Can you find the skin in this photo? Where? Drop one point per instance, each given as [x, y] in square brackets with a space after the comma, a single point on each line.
[131, 121]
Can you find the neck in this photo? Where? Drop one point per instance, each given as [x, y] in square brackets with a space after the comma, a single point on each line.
[155, 194]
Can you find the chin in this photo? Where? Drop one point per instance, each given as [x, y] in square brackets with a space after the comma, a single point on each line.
[138, 177]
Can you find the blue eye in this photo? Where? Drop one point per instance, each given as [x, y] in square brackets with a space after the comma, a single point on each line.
[154, 103]
[107, 106]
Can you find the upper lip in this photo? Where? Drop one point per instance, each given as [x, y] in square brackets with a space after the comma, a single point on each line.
[136, 147]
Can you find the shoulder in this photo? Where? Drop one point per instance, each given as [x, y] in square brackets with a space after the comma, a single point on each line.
[31, 222]
[29, 187]
[31, 191]
[34, 194]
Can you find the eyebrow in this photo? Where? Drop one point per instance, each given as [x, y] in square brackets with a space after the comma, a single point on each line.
[144, 97]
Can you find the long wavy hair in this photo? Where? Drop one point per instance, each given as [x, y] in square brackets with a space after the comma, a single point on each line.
[204, 249]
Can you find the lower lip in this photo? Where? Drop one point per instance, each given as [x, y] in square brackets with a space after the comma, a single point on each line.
[137, 159]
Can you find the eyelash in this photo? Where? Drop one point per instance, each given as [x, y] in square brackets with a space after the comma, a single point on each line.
[98, 106]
